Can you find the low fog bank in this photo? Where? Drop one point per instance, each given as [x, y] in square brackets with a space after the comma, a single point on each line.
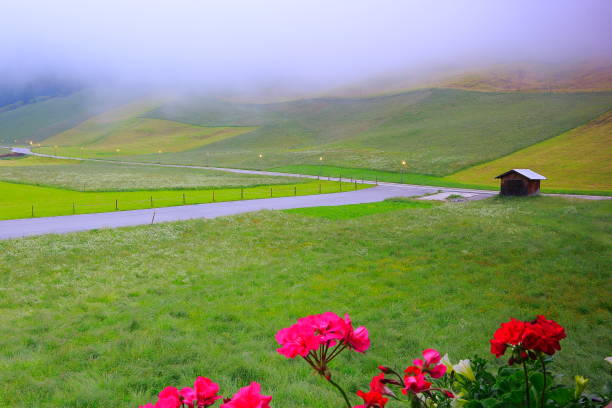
[276, 47]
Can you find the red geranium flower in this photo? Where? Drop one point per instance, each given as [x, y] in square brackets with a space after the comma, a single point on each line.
[371, 399]
[541, 335]
[415, 383]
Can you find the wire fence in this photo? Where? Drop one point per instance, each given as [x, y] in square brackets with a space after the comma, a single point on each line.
[118, 203]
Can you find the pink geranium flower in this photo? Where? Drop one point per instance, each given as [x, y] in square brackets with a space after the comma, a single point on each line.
[249, 397]
[206, 391]
[328, 326]
[171, 401]
[429, 364]
[297, 340]
[357, 339]
[188, 396]
[168, 392]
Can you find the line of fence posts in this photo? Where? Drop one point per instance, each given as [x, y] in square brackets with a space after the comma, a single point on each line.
[151, 203]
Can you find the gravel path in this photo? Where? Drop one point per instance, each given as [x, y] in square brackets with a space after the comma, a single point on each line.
[82, 222]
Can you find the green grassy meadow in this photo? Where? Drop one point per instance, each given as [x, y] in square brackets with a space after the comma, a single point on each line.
[481, 182]
[437, 131]
[109, 317]
[122, 131]
[374, 175]
[24, 201]
[440, 133]
[579, 158]
[344, 212]
[99, 176]
[38, 121]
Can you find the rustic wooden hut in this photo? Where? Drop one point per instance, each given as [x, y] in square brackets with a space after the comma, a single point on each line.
[520, 182]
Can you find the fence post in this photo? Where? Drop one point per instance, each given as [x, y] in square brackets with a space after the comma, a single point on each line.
[32, 210]
[73, 209]
[355, 184]
[242, 193]
[184, 202]
[116, 205]
[270, 192]
[151, 201]
[213, 195]
[294, 190]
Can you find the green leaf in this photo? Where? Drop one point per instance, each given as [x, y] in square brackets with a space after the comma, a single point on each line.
[489, 403]
[537, 381]
[561, 396]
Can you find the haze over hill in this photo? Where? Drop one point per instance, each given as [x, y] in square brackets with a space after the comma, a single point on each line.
[282, 48]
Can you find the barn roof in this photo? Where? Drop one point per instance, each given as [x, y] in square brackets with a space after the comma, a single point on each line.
[530, 174]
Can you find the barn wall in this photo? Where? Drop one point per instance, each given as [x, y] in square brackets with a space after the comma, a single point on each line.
[533, 187]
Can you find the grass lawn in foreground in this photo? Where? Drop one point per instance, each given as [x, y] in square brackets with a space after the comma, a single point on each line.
[25, 201]
[108, 318]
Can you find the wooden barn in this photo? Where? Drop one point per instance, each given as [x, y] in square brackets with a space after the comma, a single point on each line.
[520, 182]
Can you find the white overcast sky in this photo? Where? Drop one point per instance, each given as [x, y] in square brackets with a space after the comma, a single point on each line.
[224, 41]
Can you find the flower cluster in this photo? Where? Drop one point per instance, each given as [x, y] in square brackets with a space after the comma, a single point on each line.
[416, 383]
[318, 339]
[527, 339]
[415, 379]
[204, 394]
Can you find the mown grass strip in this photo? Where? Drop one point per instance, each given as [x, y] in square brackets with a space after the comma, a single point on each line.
[374, 175]
[24, 201]
[344, 212]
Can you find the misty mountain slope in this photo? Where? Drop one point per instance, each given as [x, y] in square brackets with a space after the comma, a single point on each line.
[123, 131]
[38, 121]
[438, 131]
[525, 77]
[16, 94]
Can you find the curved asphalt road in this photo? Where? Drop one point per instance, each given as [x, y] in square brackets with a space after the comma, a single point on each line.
[82, 222]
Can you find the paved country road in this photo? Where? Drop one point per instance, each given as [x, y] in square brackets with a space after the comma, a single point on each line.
[82, 222]
[71, 223]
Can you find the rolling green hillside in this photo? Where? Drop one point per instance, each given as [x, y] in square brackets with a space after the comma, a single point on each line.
[122, 131]
[437, 131]
[37, 121]
[580, 158]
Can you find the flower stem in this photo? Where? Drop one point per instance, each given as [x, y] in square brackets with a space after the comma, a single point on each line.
[348, 404]
[543, 397]
[527, 398]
